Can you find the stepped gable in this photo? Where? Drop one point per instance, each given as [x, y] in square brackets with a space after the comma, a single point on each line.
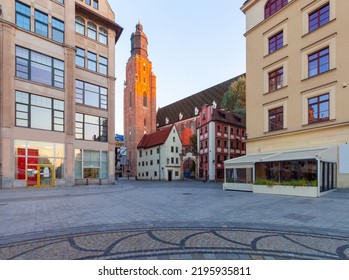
[186, 107]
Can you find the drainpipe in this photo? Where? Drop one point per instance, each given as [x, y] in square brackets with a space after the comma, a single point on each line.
[318, 177]
[159, 164]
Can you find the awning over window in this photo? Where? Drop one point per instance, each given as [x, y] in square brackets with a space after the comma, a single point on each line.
[328, 154]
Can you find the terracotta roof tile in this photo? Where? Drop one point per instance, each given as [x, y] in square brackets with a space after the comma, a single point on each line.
[154, 139]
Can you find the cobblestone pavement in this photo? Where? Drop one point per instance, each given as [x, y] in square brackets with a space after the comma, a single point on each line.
[179, 243]
[159, 220]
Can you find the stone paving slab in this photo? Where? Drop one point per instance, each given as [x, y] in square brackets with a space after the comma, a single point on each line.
[170, 220]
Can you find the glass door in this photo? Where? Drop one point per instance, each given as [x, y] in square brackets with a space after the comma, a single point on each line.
[40, 175]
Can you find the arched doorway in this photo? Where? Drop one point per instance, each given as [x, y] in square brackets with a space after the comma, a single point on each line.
[189, 168]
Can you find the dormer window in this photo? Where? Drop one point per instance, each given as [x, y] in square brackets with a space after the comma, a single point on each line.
[273, 6]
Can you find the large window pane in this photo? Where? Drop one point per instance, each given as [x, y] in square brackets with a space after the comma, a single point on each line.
[39, 68]
[41, 118]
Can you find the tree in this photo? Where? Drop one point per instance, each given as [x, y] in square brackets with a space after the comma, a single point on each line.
[235, 98]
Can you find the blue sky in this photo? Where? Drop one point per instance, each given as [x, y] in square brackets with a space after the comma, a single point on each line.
[193, 45]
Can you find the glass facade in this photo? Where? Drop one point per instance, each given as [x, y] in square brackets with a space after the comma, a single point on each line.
[91, 164]
[30, 153]
[239, 175]
[283, 171]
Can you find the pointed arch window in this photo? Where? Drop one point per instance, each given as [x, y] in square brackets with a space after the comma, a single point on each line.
[145, 100]
[80, 25]
[92, 31]
[273, 6]
[130, 99]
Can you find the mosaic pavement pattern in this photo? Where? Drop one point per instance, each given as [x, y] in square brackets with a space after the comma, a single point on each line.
[182, 243]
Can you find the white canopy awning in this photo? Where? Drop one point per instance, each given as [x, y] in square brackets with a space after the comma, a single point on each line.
[328, 154]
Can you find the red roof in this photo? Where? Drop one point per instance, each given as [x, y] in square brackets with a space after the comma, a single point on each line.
[154, 139]
[186, 135]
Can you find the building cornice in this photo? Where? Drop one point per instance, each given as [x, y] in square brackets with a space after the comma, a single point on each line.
[111, 24]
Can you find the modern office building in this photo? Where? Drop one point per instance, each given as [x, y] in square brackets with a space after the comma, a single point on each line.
[57, 92]
[297, 93]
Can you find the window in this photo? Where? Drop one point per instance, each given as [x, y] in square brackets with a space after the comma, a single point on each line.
[177, 150]
[218, 128]
[218, 142]
[151, 162]
[219, 158]
[140, 153]
[145, 99]
[276, 79]
[41, 23]
[172, 160]
[103, 36]
[34, 111]
[91, 164]
[60, 1]
[158, 150]
[91, 95]
[57, 30]
[92, 31]
[80, 57]
[91, 128]
[155, 174]
[22, 15]
[95, 4]
[276, 119]
[80, 25]
[39, 68]
[172, 149]
[318, 108]
[273, 6]
[103, 65]
[177, 160]
[88, 2]
[276, 42]
[318, 62]
[319, 18]
[91, 61]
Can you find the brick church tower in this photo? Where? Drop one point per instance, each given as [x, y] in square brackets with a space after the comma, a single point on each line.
[139, 97]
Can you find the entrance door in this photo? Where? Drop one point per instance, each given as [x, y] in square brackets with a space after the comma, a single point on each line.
[170, 175]
[40, 175]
